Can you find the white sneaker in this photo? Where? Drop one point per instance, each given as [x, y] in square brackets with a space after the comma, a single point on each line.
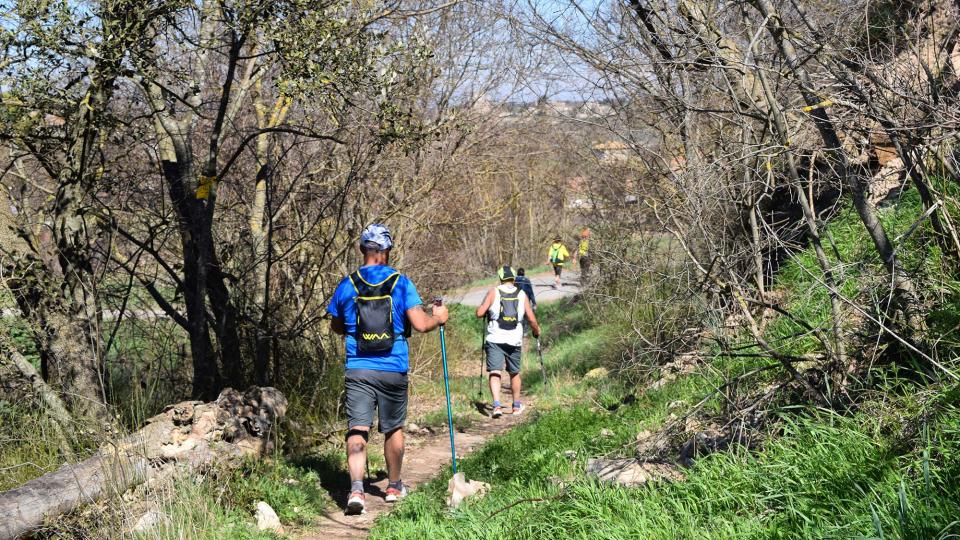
[518, 410]
[394, 494]
[356, 504]
[497, 412]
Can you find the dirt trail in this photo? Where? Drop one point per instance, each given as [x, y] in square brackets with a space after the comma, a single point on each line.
[542, 288]
[425, 457]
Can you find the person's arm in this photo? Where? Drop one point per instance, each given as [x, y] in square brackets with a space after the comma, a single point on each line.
[337, 323]
[421, 321]
[338, 326]
[532, 319]
[485, 305]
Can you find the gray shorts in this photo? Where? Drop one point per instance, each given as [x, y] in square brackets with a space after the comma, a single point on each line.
[498, 354]
[385, 390]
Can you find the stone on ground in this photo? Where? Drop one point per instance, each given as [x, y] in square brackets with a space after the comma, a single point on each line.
[630, 472]
[148, 520]
[267, 519]
[652, 444]
[459, 488]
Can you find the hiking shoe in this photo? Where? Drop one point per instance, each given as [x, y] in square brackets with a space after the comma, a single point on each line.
[497, 412]
[394, 494]
[518, 408]
[356, 504]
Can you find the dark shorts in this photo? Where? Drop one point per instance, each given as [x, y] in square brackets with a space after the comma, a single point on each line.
[557, 269]
[384, 390]
[584, 263]
[498, 354]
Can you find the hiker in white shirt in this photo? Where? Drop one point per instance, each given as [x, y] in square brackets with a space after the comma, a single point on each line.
[506, 307]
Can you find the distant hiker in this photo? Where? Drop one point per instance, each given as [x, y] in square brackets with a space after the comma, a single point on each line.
[557, 256]
[506, 307]
[375, 308]
[583, 253]
[526, 286]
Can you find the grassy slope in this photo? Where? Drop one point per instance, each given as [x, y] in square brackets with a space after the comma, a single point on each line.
[826, 476]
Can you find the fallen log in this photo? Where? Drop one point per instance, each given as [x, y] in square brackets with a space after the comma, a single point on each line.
[189, 435]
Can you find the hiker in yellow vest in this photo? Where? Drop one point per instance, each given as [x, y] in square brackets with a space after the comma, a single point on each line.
[557, 256]
[583, 253]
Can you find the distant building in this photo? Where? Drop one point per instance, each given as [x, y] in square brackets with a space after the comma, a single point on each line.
[612, 151]
[578, 194]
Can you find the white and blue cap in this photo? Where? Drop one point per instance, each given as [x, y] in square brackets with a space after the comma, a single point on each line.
[376, 236]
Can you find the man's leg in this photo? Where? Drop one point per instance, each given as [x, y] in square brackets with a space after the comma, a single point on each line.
[357, 452]
[514, 367]
[393, 453]
[360, 401]
[495, 363]
[392, 404]
[495, 386]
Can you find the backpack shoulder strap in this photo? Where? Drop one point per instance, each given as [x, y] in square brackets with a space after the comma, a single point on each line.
[391, 282]
[355, 279]
[365, 288]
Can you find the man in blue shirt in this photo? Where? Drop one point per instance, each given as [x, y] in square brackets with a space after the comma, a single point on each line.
[526, 286]
[375, 308]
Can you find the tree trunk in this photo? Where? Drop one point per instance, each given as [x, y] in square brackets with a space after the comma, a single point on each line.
[58, 294]
[813, 230]
[176, 170]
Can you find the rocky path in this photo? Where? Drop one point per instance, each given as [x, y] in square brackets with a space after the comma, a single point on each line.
[542, 289]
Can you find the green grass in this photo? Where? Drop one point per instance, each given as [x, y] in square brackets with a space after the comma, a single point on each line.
[29, 443]
[825, 477]
[221, 504]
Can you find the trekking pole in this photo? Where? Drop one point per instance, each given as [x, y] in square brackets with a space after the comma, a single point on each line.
[483, 346]
[543, 370]
[446, 386]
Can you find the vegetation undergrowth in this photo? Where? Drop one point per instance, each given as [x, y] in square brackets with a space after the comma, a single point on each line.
[220, 504]
[826, 477]
[887, 470]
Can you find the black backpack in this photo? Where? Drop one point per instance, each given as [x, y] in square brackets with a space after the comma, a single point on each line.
[374, 302]
[509, 310]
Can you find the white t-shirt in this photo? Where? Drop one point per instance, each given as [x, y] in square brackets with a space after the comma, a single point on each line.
[495, 334]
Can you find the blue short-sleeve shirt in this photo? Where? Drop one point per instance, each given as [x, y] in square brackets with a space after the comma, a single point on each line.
[343, 306]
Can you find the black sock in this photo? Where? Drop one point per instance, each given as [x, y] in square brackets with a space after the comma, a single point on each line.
[398, 485]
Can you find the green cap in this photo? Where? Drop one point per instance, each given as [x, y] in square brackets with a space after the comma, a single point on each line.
[505, 273]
